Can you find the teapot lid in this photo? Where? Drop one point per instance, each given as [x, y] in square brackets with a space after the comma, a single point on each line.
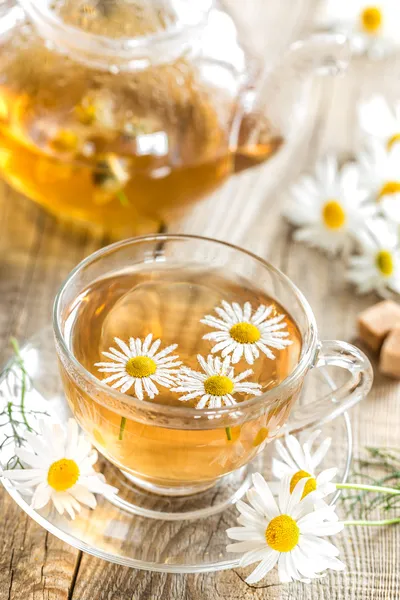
[130, 18]
[128, 31]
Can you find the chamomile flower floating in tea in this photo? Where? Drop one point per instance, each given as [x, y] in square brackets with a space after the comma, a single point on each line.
[377, 266]
[381, 121]
[327, 206]
[287, 534]
[300, 462]
[60, 469]
[244, 334]
[371, 26]
[217, 385]
[141, 366]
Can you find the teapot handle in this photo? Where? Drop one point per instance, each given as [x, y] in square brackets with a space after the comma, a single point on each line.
[273, 107]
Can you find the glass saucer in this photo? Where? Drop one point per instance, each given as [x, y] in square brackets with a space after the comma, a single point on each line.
[137, 528]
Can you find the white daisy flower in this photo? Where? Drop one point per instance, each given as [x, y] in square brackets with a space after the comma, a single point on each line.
[241, 333]
[140, 365]
[327, 207]
[380, 173]
[371, 26]
[61, 469]
[275, 420]
[216, 385]
[380, 120]
[287, 534]
[300, 462]
[377, 266]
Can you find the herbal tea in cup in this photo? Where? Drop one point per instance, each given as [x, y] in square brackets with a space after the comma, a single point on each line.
[182, 357]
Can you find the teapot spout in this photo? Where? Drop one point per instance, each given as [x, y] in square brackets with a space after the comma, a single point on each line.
[275, 106]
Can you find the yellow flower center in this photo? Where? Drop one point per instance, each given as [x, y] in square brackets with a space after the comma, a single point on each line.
[282, 533]
[393, 140]
[63, 474]
[140, 366]
[310, 486]
[384, 262]
[261, 436]
[390, 187]
[218, 385]
[245, 333]
[371, 19]
[333, 215]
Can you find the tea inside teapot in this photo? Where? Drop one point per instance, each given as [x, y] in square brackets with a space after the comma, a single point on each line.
[123, 113]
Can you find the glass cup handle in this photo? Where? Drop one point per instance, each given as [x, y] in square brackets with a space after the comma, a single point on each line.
[333, 353]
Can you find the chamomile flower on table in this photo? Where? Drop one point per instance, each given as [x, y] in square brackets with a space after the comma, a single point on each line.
[287, 533]
[380, 173]
[299, 461]
[379, 170]
[58, 467]
[140, 365]
[327, 207]
[377, 265]
[372, 27]
[380, 120]
[242, 332]
[216, 385]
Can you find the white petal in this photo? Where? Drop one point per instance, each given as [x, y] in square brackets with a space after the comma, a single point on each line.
[263, 568]
[124, 347]
[246, 546]
[270, 507]
[237, 353]
[153, 349]
[296, 495]
[245, 534]
[138, 389]
[314, 545]
[33, 460]
[287, 458]
[41, 496]
[147, 343]
[320, 454]
[326, 476]
[284, 494]
[72, 438]
[248, 354]
[283, 570]
[296, 451]
[83, 496]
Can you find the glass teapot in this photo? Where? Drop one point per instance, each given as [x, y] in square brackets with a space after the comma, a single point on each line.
[122, 113]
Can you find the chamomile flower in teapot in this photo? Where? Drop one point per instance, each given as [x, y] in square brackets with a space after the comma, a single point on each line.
[122, 113]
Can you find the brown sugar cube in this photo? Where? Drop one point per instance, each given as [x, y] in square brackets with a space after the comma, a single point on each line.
[376, 322]
[389, 363]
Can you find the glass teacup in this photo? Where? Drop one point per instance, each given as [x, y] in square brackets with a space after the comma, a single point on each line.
[165, 285]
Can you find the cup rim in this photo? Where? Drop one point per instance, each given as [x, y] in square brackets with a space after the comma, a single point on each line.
[306, 357]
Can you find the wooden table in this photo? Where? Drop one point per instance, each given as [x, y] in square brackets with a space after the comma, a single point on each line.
[36, 254]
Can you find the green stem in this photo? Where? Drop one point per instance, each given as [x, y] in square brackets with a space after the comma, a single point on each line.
[20, 361]
[122, 428]
[372, 523]
[228, 432]
[123, 198]
[367, 488]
